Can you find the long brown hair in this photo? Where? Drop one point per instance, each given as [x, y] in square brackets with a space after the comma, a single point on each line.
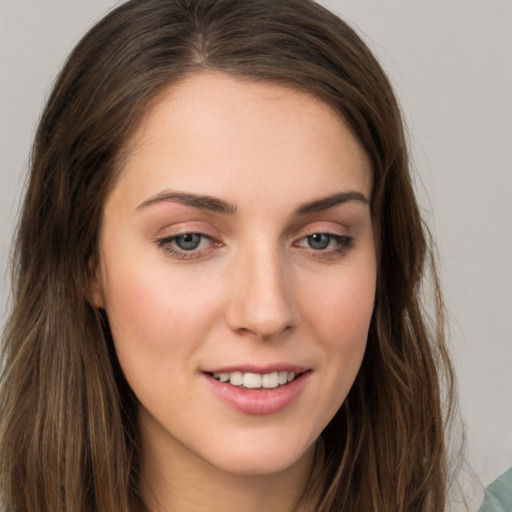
[68, 437]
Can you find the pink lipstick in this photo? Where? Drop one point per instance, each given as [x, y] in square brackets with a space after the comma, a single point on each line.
[258, 391]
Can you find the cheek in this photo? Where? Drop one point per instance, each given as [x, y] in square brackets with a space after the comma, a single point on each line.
[343, 309]
[340, 313]
[154, 314]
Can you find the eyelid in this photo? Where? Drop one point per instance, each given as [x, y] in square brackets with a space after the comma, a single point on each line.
[337, 233]
[326, 227]
[166, 241]
[183, 227]
[170, 248]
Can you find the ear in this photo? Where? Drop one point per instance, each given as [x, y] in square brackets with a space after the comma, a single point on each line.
[96, 295]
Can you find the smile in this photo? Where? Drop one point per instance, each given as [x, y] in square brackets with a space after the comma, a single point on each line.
[251, 380]
[258, 392]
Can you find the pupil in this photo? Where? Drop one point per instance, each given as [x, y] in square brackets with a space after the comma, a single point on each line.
[188, 242]
[319, 241]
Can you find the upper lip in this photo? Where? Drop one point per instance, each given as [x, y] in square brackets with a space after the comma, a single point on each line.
[261, 369]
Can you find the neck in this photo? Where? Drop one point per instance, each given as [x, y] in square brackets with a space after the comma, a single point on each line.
[184, 482]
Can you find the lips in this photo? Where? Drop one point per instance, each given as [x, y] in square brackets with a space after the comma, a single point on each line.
[258, 391]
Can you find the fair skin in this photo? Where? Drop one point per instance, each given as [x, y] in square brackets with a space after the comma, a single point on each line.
[237, 254]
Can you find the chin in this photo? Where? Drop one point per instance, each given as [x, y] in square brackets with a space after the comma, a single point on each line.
[262, 458]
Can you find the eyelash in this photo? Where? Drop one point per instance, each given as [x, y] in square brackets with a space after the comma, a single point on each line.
[343, 244]
[167, 244]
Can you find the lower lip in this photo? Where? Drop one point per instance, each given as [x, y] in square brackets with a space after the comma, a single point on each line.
[259, 401]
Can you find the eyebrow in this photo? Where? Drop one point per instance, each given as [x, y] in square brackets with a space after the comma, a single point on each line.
[331, 201]
[205, 202]
[195, 200]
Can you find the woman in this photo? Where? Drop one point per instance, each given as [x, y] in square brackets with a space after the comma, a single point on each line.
[218, 269]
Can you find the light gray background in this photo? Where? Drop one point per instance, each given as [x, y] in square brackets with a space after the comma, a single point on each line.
[451, 64]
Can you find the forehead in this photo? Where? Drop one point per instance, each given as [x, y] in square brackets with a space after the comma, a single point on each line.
[216, 134]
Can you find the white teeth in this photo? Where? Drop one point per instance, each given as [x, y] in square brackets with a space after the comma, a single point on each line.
[252, 380]
[236, 378]
[270, 380]
[282, 377]
[256, 380]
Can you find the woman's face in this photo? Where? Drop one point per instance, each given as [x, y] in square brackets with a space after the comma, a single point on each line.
[237, 269]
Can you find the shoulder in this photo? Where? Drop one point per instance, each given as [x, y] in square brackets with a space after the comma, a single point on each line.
[498, 496]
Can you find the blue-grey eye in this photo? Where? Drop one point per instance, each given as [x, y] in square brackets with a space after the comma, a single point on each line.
[188, 242]
[319, 241]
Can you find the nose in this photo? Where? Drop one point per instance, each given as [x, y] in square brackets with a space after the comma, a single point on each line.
[261, 300]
